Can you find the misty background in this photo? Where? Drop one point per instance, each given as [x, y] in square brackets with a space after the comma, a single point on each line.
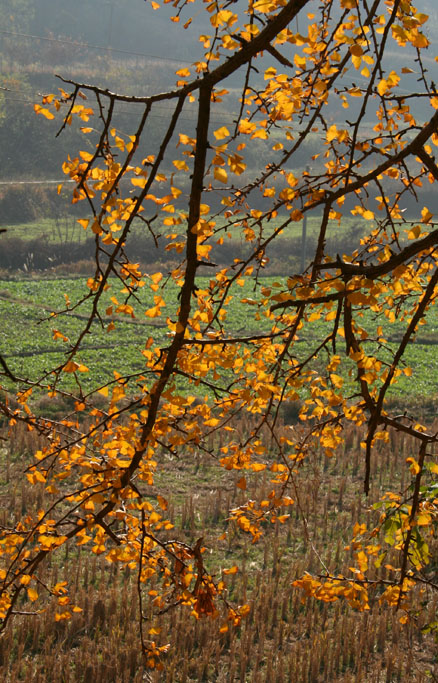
[126, 46]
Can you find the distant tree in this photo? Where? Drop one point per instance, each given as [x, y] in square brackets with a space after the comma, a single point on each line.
[325, 70]
[17, 15]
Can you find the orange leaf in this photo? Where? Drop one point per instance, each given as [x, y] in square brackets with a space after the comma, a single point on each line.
[71, 366]
[45, 112]
[231, 570]
[32, 594]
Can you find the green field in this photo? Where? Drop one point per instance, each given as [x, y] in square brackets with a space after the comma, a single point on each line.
[26, 336]
[63, 230]
[66, 229]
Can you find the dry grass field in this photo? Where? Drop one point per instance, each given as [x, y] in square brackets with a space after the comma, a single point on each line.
[285, 636]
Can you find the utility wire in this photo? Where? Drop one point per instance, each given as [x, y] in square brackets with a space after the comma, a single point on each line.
[36, 182]
[223, 116]
[73, 43]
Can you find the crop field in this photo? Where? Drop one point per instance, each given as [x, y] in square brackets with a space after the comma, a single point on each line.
[26, 336]
[61, 230]
[285, 636]
[66, 228]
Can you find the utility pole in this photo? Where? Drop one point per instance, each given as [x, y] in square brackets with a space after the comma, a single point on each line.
[304, 237]
[303, 243]
[110, 27]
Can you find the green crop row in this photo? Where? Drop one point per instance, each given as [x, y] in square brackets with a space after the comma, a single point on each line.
[29, 326]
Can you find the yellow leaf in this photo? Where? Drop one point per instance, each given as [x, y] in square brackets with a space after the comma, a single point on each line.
[246, 126]
[260, 134]
[241, 484]
[152, 312]
[39, 476]
[83, 539]
[299, 61]
[221, 133]
[45, 112]
[357, 61]
[96, 227]
[162, 502]
[180, 165]
[271, 72]
[212, 422]
[414, 232]
[258, 466]
[426, 216]
[414, 466]
[382, 87]
[220, 174]
[139, 182]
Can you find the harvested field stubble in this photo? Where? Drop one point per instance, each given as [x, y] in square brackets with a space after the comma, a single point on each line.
[285, 637]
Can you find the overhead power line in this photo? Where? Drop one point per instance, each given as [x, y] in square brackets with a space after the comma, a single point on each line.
[27, 99]
[73, 43]
[36, 182]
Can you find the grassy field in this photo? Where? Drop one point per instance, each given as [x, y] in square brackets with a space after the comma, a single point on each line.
[61, 230]
[67, 229]
[26, 337]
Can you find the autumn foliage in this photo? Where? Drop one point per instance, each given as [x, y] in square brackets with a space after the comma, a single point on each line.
[295, 74]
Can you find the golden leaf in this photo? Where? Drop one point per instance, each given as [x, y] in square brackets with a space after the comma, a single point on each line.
[220, 174]
[221, 133]
[71, 366]
[231, 570]
[32, 594]
[45, 112]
